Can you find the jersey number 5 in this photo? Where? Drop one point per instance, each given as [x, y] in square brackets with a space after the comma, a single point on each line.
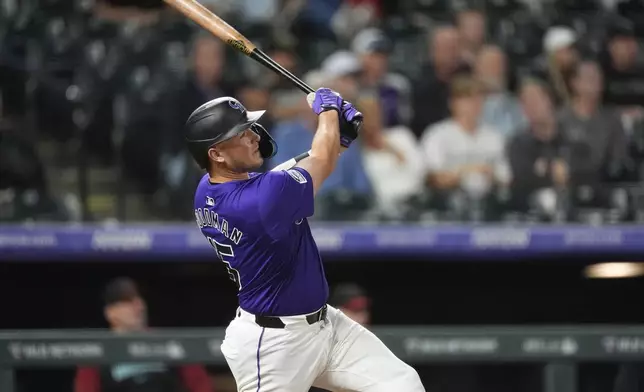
[222, 251]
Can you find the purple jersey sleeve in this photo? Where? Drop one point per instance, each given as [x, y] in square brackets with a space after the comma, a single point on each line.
[286, 196]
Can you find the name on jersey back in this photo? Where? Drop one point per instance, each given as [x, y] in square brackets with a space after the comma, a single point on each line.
[206, 217]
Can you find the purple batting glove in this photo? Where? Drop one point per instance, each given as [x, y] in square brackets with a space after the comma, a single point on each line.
[326, 99]
[349, 112]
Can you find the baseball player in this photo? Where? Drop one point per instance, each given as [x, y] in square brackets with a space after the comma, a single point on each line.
[284, 336]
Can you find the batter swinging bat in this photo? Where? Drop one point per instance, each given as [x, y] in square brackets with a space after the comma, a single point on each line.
[211, 22]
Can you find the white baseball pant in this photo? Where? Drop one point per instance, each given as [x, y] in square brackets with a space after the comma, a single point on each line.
[337, 354]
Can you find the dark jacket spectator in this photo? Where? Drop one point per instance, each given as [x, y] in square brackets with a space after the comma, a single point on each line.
[430, 100]
[126, 311]
[542, 157]
[178, 172]
[585, 121]
[623, 66]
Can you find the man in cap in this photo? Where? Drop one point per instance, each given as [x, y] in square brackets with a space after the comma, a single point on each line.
[126, 311]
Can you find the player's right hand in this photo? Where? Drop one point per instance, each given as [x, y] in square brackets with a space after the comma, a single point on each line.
[350, 124]
[325, 99]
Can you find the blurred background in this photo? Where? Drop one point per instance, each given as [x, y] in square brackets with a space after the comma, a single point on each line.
[501, 160]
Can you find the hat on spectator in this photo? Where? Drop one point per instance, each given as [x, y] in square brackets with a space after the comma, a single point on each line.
[350, 296]
[371, 40]
[558, 37]
[120, 290]
[621, 28]
[339, 64]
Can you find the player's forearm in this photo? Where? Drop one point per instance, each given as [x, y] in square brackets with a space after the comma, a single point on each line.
[326, 142]
[325, 148]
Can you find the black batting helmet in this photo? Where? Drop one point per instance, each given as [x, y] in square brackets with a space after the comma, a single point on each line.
[219, 120]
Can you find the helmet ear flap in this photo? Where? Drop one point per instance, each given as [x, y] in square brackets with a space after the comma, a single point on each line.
[267, 145]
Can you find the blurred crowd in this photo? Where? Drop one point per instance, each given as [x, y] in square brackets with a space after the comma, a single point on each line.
[475, 111]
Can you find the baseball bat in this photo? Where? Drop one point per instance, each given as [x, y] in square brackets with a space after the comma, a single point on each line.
[217, 26]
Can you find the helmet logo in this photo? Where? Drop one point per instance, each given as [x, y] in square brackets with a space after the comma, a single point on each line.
[236, 105]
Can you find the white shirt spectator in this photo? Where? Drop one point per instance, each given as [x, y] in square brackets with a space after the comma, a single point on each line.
[394, 181]
[447, 147]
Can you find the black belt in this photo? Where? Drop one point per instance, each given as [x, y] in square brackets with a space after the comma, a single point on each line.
[276, 322]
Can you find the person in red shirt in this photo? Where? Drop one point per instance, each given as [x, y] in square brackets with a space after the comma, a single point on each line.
[126, 311]
[353, 301]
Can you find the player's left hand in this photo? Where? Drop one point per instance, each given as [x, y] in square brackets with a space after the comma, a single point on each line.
[350, 124]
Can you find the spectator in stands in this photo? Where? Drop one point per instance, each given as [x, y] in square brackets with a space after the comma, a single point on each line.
[255, 96]
[257, 13]
[559, 61]
[471, 26]
[623, 65]
[208, 61]
[126, 311]
[540, 157]
[459, 152]
[393, 90]
[353, 301]
[285, 56]
[389, 156]
[585, 121]
[355, 15]
[285, 98]
[390, 151]
[431, 91]
[501, 109]
[314, 21]
[295, 135]
[205, 82]
[341, 71]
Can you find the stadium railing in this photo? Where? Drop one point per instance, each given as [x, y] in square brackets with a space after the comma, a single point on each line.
[558, 348]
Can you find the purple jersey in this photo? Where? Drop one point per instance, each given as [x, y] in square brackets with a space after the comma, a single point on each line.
[258, 228]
